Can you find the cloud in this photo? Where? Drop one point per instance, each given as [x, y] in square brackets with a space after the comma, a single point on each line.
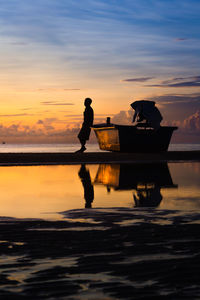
[66, 36]
[26, 108]
[49, 127]
[106, 39]
[177, 107]
[193, 78]
[71, 89]
[141, 79]
[56, 103]
[123, 117]
[46, 131]
[180, 39]
[19, 43]
[47, 122]
[81, 115]
[183, 84]
[16, 115]
[193, 122]
[37, 133]
[192, 81]
[176, 98]
[188, 130]
[56, 89]
[50, 120]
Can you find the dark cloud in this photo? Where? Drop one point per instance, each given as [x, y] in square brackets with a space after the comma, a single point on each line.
[192, 81]
[180, 39]
[175, 79]
[177, 107]
[39, 122]
[186, 98]
[56, 103]
[141, 79]
[180, 84]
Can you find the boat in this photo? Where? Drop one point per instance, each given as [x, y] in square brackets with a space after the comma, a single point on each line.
[146, 136]
[133, 138]
[132, 176]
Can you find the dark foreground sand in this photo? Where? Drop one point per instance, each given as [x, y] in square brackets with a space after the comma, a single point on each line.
[95, 157]
[102, 254]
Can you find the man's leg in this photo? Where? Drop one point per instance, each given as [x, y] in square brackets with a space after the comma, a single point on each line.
[83, 148]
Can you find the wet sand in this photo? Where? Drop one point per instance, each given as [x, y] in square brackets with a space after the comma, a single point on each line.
[95, 157]
[101, 254]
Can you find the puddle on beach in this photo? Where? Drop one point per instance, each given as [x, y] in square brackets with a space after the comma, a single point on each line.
[45, 191]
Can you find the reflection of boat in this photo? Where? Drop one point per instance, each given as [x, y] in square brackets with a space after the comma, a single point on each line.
[138, 138]
[146, 179]
[130, 176]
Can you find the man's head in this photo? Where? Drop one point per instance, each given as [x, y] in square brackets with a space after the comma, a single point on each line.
[87, 102]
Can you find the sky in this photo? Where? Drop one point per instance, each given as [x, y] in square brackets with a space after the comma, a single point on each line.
[55, 53]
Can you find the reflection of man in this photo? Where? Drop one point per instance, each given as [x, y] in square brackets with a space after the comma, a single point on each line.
[84, 133]
[148, 197]
[84, 175]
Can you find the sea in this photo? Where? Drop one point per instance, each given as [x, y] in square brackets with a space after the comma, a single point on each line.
[51, 148]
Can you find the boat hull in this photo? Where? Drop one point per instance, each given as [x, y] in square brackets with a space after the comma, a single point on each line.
[123, 138]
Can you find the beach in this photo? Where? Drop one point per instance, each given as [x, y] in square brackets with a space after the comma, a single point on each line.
[96, 157]
[101, 241]
[101, 254]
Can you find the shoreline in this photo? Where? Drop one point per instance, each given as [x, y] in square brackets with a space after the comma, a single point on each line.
[96, 157]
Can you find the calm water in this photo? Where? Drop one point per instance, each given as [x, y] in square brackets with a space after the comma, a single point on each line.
[73, 147]
[47, 191]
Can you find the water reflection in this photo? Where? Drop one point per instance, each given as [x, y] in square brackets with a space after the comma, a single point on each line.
[145, 179]
[84, 175]
[45, 191]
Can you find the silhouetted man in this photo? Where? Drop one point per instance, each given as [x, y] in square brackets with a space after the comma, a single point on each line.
[84, 133]
[146, 110]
